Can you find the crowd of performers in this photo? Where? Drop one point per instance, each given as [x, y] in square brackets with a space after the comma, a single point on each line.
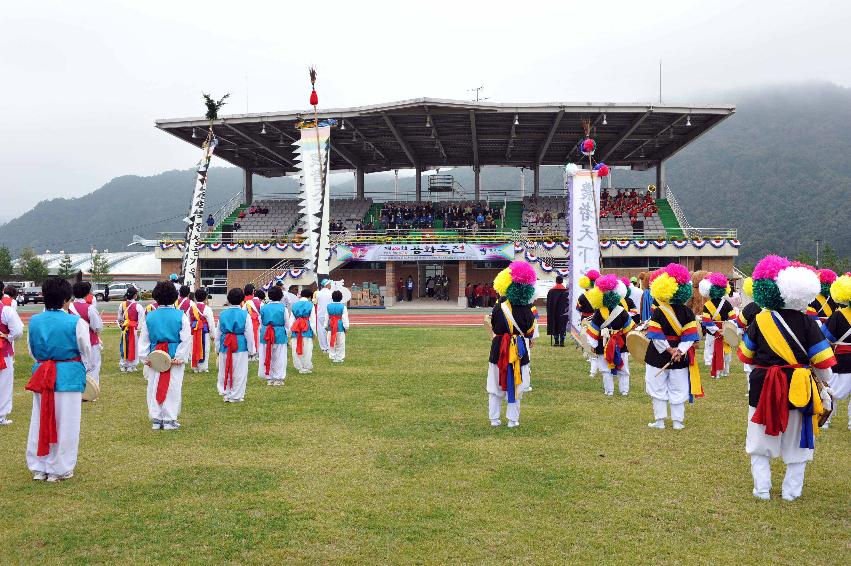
[64, 341]
[794, 339]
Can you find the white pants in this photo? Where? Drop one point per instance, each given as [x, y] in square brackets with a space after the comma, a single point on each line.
[240, 375]
[261, 355]
[793, 482]
[278, 367]
[512, 410]
[321, 332]
[337, 352]
[595, 366]
[669, 387]
[785, 445]
[708, 348]
[7, 385]
[609, 379]
[304, 362]
[96, 363]
[130, 365]
[839, 382]
[62, 457]
[170, 408]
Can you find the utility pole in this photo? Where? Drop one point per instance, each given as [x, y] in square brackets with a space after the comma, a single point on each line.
[478, 90]
[818, 244]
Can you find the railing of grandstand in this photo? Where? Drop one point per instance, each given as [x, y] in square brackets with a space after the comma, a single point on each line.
[691, 233]
[678, 212]
[272, 273]
[227, 208]
[425, 236]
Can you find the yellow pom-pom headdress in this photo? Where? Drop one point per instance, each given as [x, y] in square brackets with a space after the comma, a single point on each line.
[747, 287]
[663, 288]
[840, 290]
[595, 297]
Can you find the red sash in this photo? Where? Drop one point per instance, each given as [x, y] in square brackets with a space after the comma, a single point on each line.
[334, 321]
[842, 349]
[43, 381]
[269, 340]
[3, 358]
[718, 354]
[615, 341]
[231, 343]
[197, 337]
[165, 377]
[772, 409]
[502, 362]
[301, 325]
[130, 340]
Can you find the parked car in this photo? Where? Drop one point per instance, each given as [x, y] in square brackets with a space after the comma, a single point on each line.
[30, 295]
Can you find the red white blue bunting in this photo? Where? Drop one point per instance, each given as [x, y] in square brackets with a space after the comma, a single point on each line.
[548, 245]
[288, 274]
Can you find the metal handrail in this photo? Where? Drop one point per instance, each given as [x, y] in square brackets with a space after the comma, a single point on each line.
[272, 272]
[678, 212]
[227, 208]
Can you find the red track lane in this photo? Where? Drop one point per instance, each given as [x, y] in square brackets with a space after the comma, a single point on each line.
[378, 319]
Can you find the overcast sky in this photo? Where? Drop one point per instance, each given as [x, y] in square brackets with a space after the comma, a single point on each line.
[84, 81]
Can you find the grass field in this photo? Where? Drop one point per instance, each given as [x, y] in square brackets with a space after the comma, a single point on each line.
[390, 459]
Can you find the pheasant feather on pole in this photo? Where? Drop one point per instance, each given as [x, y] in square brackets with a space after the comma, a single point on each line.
[213, 106]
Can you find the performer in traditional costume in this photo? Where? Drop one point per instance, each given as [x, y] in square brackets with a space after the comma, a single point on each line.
[558, 315]
[514, 324]
[251, 305]
[302, 325]
[837, 330]
[672, 375]
[744, 319]
[89, 313]
[165, 329]
[716, 353]
[130, 315]
[11, 328]
[823, 305]
[628, 303]
[236, 345]
[184, 301]
[10, 296]
[338, 327]
[645, 306]
[273, 323]
[60, 345]
[785, 347]
[586, 310]
[607, 334]
[203, 325]
[323, 299]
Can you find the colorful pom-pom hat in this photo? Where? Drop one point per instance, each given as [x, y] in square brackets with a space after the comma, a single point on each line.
[671, 284]
[517, 283]
[781, 284]
[713, 286]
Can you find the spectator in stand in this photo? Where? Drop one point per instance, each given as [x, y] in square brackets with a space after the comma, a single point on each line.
[480, 293]
[400, 290]
[237, 226]
[210, 223]
[409, 288]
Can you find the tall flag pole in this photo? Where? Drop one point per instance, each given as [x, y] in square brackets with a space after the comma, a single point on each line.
[195, 218]
[315, 196]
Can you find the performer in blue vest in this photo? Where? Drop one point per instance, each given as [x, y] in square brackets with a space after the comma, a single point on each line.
[302, 325]
[59, 342]
[273, 338]
[166, 329]
[236, 344]
[338, 327]
[11, 328]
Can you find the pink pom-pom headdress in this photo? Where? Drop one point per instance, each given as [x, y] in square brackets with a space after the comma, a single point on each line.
[718, 279]
[592, 274]
[826, 276]
[769, 266]
[678, 272]
[522, 272]
[607, 283]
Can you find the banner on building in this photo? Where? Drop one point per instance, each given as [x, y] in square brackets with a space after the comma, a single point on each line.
[583, 190]
[195, 218]
[315, 197]
[425, 252]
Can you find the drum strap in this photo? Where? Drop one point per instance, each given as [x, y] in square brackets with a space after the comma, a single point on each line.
[612, 316]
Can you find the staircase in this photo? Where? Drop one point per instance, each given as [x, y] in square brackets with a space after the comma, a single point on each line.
[374, 213]
[669, 219]
[268, 275]
[513, 215]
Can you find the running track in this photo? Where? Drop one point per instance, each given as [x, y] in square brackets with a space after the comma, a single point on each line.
[381, 318]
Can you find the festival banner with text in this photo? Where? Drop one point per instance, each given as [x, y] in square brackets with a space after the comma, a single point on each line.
[583, 191]
[426, 252]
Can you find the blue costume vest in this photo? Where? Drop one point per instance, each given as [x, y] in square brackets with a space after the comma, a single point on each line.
[164, 325]
[336, 309]
[276, 315]
[53, 336]
[302, 309]
[232, 321]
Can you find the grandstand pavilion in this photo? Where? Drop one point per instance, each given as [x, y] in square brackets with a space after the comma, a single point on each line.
[260, 240]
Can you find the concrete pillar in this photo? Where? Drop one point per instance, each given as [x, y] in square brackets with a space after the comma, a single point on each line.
[462, 283]
[536, 175]
[660, 180]
[390, 282]
[419, 181]
[248, 186]
[359, 191]
[478, 175]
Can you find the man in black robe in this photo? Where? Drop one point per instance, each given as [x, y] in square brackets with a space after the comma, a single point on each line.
[558, 307]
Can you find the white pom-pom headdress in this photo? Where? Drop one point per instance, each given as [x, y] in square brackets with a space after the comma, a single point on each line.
[798, 286]
[704, 286]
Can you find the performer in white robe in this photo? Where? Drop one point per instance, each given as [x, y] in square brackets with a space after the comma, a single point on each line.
[338, 327]
[837, 330]
[89, 313]
[273, 336]
[130, 315]
[11, 328]
[302, 325]
[236, 345]
[165, 328]
[203, 313]
[323, 298]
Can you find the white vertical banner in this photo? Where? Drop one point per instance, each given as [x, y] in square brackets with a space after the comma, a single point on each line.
[189, 266]
[315, 196]
[583, 190]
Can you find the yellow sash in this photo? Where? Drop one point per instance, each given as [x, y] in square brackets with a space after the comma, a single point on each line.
[846, 312]
[715, 316]
[824, 306]
[803, 385]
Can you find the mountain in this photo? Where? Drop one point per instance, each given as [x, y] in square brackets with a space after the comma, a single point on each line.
[778, 171]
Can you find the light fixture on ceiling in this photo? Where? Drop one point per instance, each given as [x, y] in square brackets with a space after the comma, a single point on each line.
[433, 134]
[194, 134]
[642, 152]
[605, 122]
[671, 132]
[354, 136]
[263, 130]
[516, 120]
[342, 124]
[655, 142]
[688, 120]
[281, 140]
[428, 121]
